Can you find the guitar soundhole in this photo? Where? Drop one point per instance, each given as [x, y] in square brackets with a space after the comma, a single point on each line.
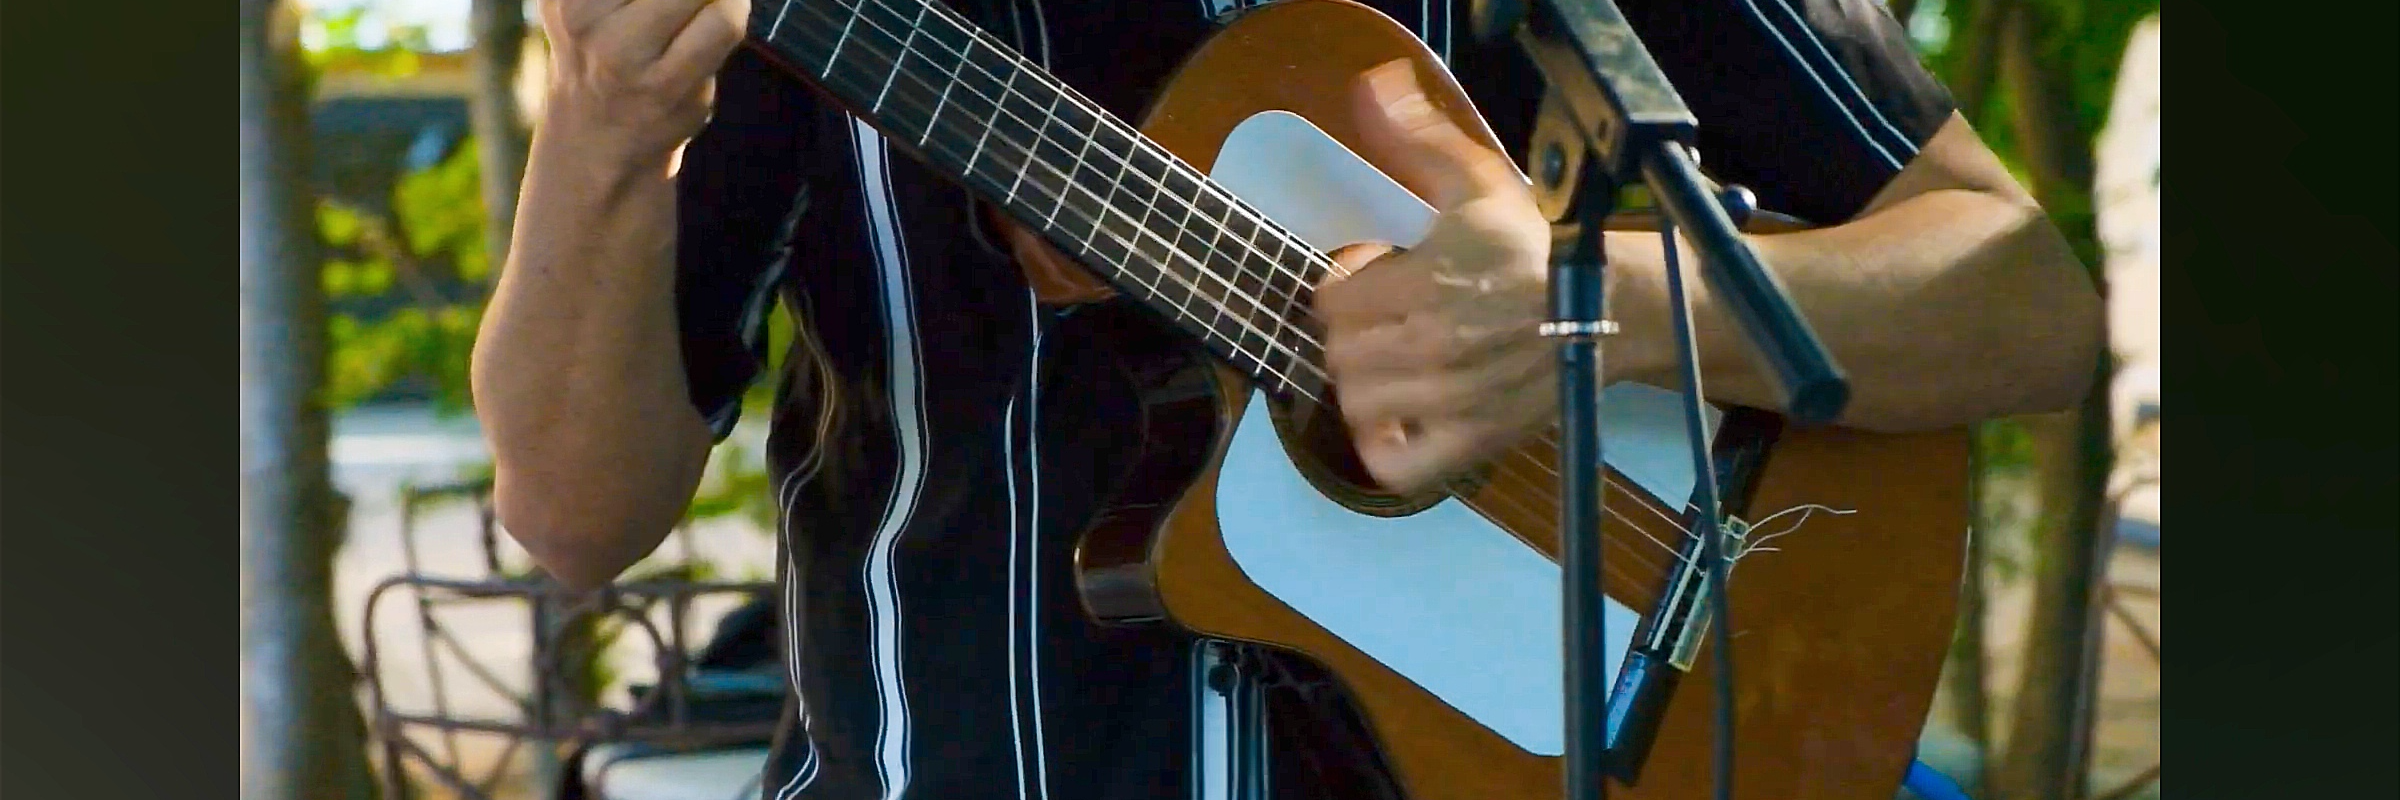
[1319, 445]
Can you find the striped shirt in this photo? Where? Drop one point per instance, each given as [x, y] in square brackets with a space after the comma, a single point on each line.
[932, 632]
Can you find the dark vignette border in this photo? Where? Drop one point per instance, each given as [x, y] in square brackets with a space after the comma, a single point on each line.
[117, 316]
[2279, 292]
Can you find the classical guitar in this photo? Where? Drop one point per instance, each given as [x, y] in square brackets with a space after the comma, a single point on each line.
[1249, 517]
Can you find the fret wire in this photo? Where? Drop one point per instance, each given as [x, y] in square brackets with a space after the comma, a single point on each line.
[1216, 232]
[1281, 324]
[1006, 88]
[899, 61]
[1064, 196]
[1032, 152]
[1107, 201]
[1073, 169]
[1148, 207]
[957, 63]
[836, 55]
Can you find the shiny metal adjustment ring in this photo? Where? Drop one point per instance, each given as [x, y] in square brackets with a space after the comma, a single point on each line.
[1556, 329]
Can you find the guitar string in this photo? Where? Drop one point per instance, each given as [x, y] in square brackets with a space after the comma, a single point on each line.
[1109, 121]
[1141, 144]
[1104, 119]
[1519, 504]
[1190, 284]
[1548, 508]
[907, 46]
[1175, 169]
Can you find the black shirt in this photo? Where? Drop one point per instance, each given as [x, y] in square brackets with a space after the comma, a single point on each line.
[945, 437]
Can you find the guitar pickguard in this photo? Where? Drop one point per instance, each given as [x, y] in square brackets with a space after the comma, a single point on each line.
[1444, 597]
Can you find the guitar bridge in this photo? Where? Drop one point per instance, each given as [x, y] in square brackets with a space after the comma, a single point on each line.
[1664, 650]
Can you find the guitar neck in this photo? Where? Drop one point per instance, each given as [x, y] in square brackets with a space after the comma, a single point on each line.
[1150, 224]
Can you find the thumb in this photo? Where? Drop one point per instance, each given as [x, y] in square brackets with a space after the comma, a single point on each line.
[1419, 145]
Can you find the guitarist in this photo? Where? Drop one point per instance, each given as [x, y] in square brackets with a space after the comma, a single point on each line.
[940, 435]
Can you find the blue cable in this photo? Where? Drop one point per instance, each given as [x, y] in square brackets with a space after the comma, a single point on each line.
[1925, 783]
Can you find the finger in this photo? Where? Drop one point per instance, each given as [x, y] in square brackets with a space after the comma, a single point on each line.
[1425, 457]
[701, 48]
[1385, 289]
[1420, 342]
[640, 32]
[1377, 352]
[1493, 391]
[1349, 259]
[1420, 146]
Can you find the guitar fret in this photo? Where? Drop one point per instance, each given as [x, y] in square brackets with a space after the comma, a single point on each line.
[1033, 150]
[900, 59]
[995, 100]
[1069, 180]
[835, 57]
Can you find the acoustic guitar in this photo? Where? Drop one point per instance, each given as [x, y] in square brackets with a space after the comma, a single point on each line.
[1249, 518]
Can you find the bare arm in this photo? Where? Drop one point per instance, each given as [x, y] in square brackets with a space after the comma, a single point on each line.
[1952, 299]
[578, 375]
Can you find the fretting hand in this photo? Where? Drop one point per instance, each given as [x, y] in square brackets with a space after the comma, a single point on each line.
[1435, 350]
[630, 79]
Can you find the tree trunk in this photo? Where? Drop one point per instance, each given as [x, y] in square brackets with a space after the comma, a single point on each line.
[2047, 742]
[301, 732]
[500, 135]
[1973, 56]
[2050, 136]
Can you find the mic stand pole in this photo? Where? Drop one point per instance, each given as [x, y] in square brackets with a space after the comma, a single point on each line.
[1637, 128]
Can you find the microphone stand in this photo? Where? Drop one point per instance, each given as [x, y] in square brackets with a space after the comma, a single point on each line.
[1636, 127]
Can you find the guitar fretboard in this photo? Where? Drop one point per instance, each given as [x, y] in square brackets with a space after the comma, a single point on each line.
[1147, 222]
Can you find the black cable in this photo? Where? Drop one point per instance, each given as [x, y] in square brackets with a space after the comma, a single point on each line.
[1711, 528]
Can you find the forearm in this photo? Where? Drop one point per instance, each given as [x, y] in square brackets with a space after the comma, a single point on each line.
[1947, 307]
[578, 374]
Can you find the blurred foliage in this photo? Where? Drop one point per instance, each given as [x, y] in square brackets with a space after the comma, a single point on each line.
[393, 278]
[333, 43]
[2082, 39]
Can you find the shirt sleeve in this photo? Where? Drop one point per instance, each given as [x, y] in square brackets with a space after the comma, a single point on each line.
[740, 193]
[1814, 104]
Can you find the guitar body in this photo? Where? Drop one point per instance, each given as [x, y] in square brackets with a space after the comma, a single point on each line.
[1247, 518]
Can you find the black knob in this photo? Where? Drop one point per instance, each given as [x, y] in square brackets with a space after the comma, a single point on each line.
[1739, 203]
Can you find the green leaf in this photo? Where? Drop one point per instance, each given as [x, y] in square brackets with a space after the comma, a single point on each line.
[373, 278]
[338, 224]
[339, 277]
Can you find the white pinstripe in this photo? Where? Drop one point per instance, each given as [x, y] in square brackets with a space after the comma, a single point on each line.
[907, 393]
[1801, 61]
[1899, 140]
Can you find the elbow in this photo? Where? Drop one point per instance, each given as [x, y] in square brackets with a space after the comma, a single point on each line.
[2070, 366]
[2060, 333]
[584, 543]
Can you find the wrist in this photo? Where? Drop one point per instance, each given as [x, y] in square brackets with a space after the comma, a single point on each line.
[599, 147]
[1643, 350]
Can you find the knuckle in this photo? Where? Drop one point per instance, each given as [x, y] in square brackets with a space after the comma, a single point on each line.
[1440, 341]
